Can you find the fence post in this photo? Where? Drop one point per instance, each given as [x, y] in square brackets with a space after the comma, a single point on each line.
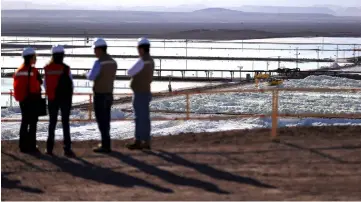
[274, 136]
[11, 98]
[187, 97]
[90, 107]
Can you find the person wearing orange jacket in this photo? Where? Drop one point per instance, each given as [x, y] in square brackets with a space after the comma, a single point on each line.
[27, 91]
[58, 83]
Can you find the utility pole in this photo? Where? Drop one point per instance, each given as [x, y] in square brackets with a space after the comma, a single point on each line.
[354, 52]
[160, 68]
[267, 65]
[240, 73]
[279, 62]
[169, 85]
[318, 57]
[186, 53]
[337, 54]
[297, 57]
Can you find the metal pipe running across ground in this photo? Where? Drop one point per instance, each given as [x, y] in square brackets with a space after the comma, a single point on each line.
[79, 73]
[24, 43]
[209, 58]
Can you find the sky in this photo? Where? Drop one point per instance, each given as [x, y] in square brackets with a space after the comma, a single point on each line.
[208, 3]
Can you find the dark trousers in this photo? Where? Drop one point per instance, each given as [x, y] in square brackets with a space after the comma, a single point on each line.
[29, 121]
[65, 108]
[141, 103]
[102, 106]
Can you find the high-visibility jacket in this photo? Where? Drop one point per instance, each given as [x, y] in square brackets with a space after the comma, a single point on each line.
[53, 72]
[23, 86]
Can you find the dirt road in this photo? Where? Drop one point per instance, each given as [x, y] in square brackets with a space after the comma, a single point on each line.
[320, 163]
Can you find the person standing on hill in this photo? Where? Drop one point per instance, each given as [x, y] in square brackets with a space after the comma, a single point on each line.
[142, 77]
[27, 91]
[59, 90]
[103, 74]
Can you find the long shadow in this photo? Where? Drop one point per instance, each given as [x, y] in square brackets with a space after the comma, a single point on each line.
[348, 147]
[99, 174]
[166, 175]
[30, 165]
[208, 170]
[16, 184]
[327, 156]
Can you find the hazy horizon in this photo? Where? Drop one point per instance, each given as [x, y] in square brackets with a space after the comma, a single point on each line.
[106, 4]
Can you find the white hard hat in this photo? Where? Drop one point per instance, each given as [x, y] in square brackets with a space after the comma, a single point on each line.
[99, 42]
[28, 51]
[143, 41]
[57, 49]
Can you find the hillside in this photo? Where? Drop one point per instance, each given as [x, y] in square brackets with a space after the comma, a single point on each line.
[220, 23]
[210, 15]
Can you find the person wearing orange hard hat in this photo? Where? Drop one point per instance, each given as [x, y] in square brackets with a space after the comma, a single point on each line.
[27, 91]
[58, 83]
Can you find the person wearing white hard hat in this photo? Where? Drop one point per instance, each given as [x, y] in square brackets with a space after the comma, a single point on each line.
[59, 90]
[103, 74]
[27, 91]
[142, 77]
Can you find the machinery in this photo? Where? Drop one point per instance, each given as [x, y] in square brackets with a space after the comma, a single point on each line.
[287, 71]
[274, 82]
[262, 76]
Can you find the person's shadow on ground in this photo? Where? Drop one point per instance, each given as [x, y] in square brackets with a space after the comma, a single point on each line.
[7, 183]
[208, 170]
[167, 175]
[89, 171]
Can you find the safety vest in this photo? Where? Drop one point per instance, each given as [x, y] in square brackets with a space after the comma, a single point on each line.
[53, 72]
[23, 86]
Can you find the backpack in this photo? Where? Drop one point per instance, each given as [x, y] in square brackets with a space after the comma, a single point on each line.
[64, 89]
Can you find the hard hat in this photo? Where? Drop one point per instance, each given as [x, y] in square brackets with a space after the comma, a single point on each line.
[28, 51]
[99, 42]
[143, 41]
[57, 49]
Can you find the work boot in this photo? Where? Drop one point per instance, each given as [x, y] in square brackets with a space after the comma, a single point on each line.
[146, 145]
[49, 152]
[137, 145]
[101, 149]
[32, 151]
[69, 153]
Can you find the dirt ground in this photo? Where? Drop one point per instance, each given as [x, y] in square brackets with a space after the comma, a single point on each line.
[318, 163]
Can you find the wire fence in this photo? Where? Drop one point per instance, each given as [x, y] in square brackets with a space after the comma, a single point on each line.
[185, 110]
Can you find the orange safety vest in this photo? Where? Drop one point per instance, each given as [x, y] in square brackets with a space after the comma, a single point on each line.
[53, 72]
[22, 85]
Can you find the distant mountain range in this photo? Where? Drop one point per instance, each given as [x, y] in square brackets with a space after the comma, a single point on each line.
[322, 9]
[208, 15]
[316, 9]
[209, 23]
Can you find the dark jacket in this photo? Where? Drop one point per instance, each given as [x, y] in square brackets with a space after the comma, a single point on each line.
[141, 82]
[104, 83]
